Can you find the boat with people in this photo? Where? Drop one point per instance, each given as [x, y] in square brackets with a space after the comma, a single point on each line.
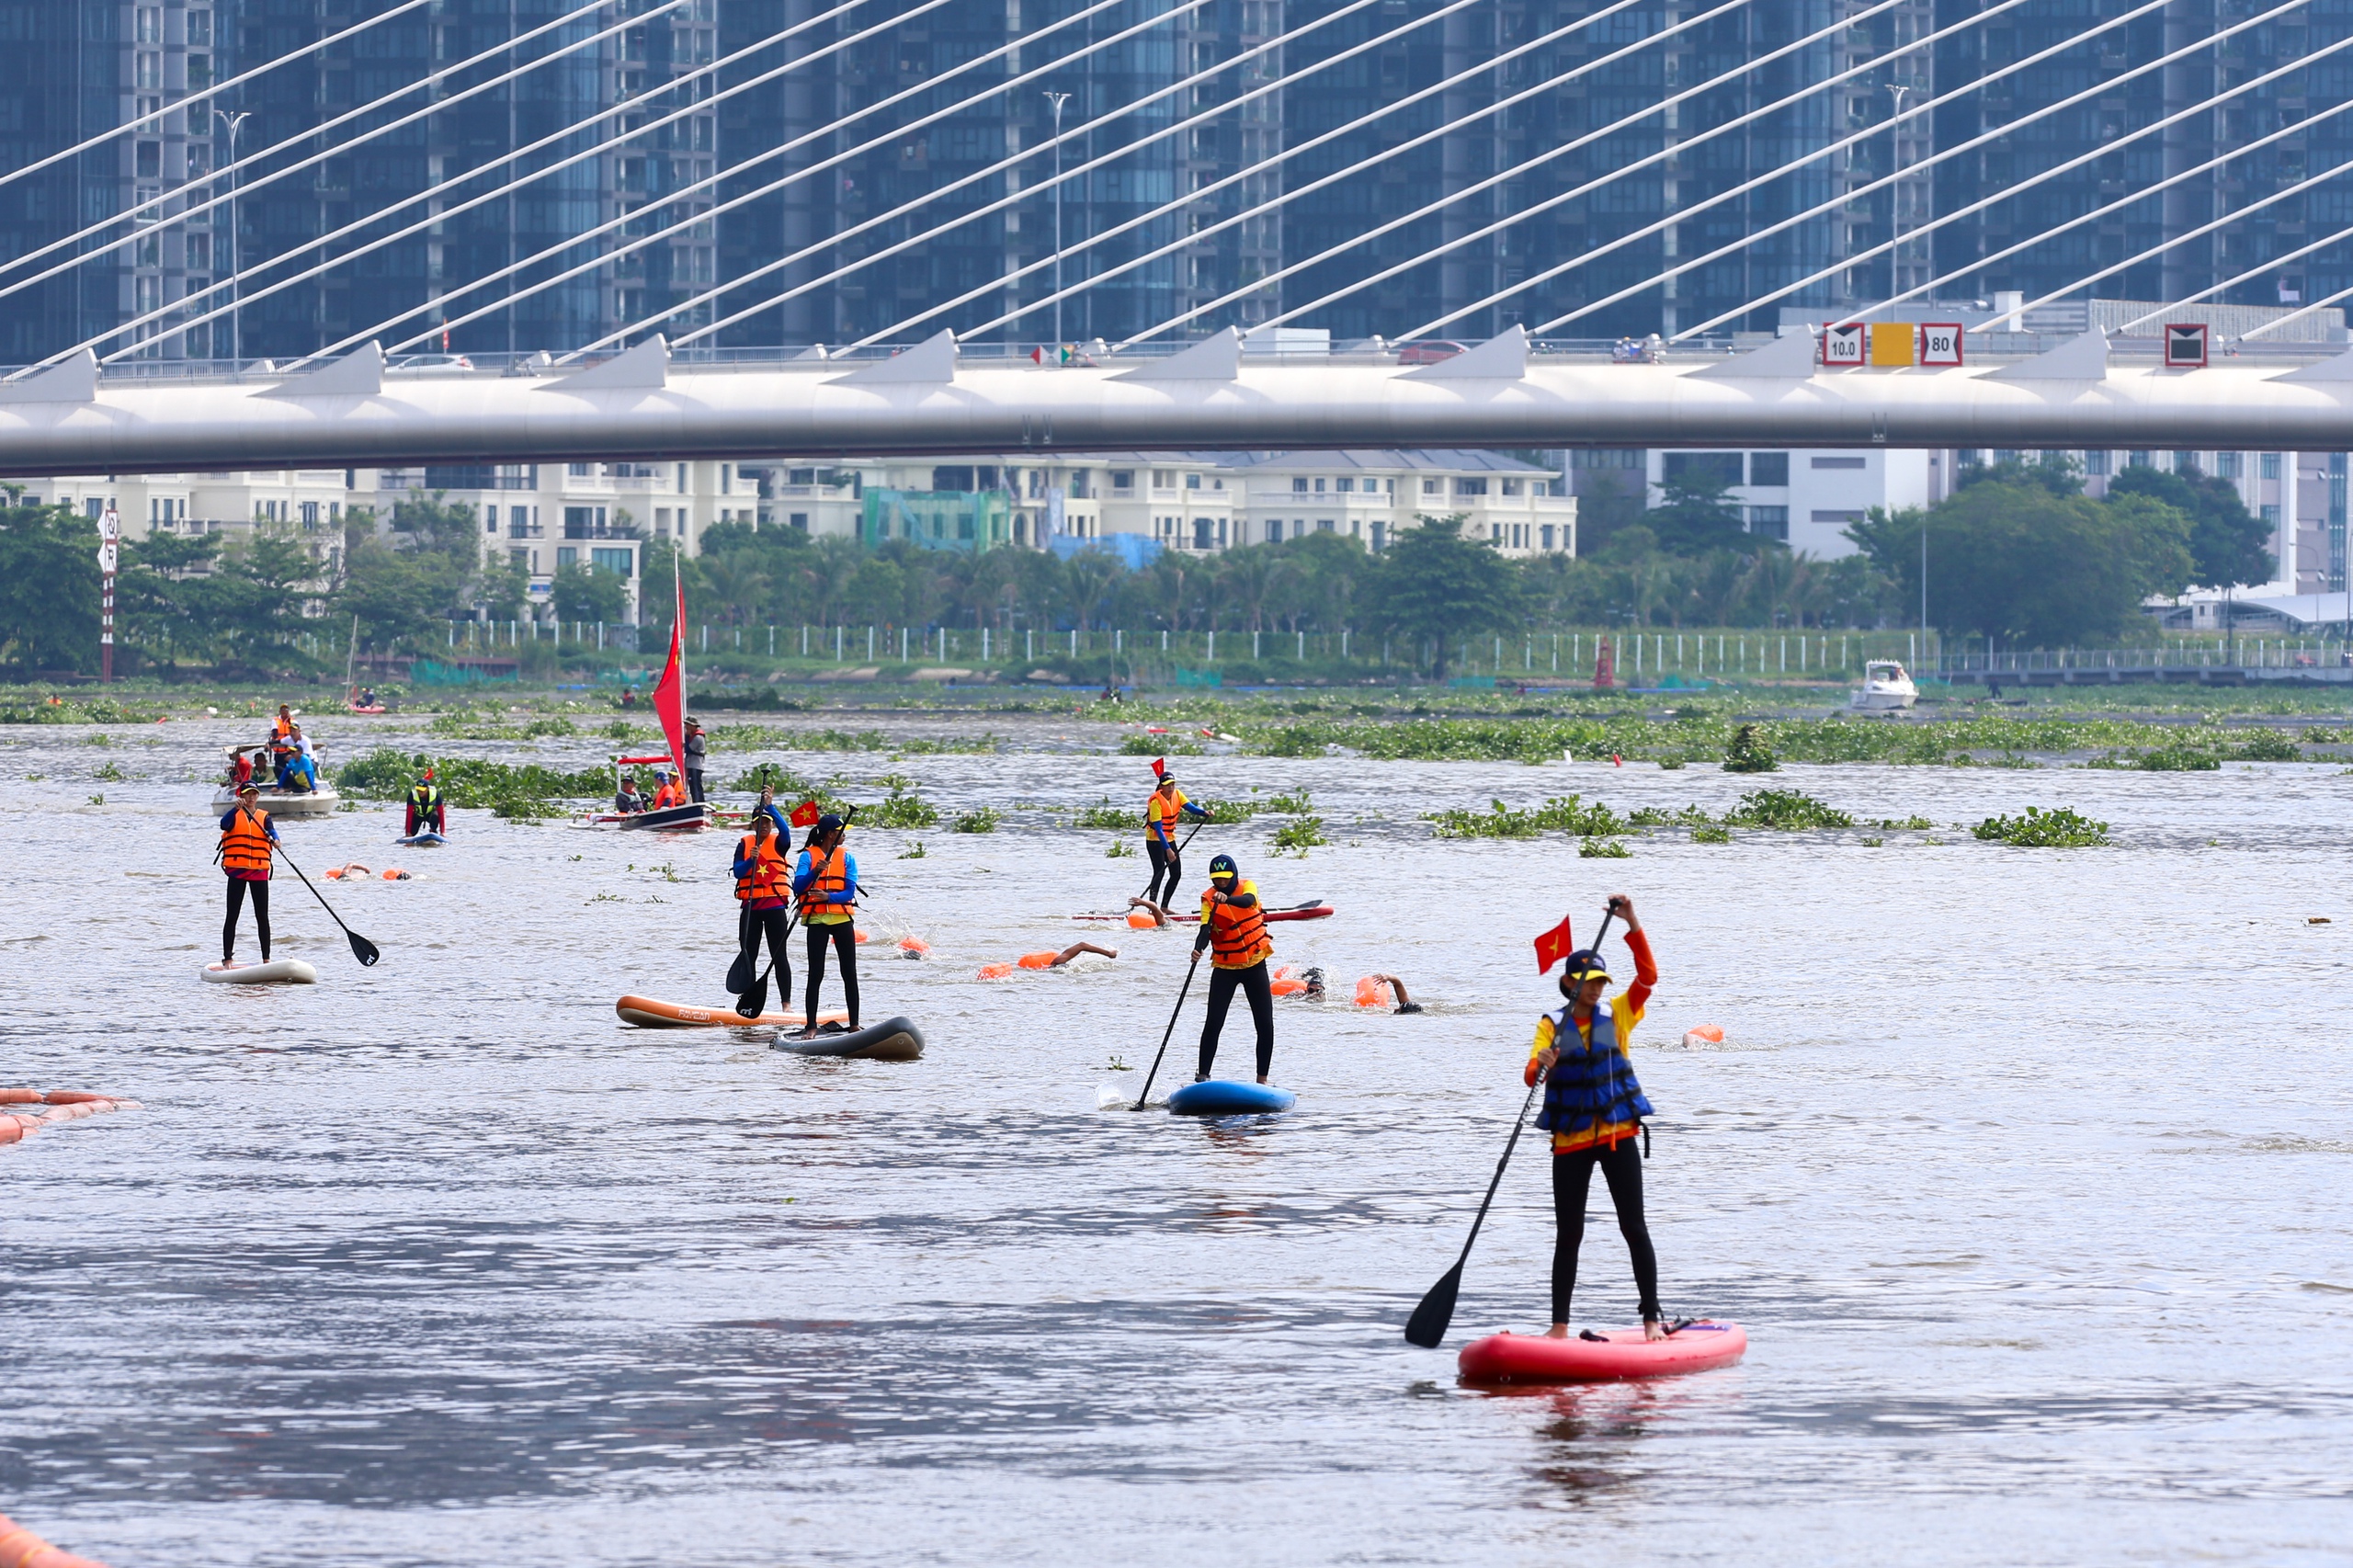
[667, 807]
[284, 792]
[1886, 687]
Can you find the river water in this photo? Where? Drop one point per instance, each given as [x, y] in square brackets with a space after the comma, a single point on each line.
[2026, 1170]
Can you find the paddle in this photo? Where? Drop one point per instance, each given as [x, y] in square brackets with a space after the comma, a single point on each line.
[362, 947]
[1170, 1031]
[1428, 1324]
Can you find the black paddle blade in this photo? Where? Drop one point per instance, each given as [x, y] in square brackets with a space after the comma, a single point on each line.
[755, 999]
[363, 950]
[1428, 1325]
[739, 974]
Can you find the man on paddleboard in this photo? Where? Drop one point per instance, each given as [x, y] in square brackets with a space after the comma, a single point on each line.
[1594, 1109]
[1233, 928]
[246, 835]
[1162, 810]
[764, 884]
[825, 881]
[425, 807]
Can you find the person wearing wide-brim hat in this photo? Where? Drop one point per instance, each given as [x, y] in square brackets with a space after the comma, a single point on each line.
[1594, 1109]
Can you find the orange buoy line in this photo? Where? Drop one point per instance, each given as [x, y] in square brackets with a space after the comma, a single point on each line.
[20, 1547]
[65, 1105]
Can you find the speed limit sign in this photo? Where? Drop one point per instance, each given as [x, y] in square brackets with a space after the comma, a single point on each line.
[1941, 343]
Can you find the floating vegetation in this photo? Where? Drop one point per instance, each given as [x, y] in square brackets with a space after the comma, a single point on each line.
[1788, 810]
[1106, 814]
[1912, 821]
[99, 739]
[1749, 752]
[466, 724]
[1567, 813]
[903, 809]
[1120, 849]
[983, 820]
[520, 793]
[1711, 835]
[1294, 803]
[2060, 828]
[58, 710]
[875, 740]
[915, 850]
[1873, 843]
[2164, 759]
[1659, 816]
[1159, 745]
[1603, 849]
[1299, 835]
[108, 773]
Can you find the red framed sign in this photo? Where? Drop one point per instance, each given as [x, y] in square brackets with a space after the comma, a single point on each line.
[1845, 343]
[2184, 345]
[1940, 344]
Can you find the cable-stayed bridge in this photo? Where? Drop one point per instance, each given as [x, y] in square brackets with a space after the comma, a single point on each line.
[622, 210]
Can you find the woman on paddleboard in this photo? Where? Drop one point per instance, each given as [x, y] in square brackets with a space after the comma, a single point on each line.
[764, 887]
[1162, 811]
[1594, 1109]
[1233, 928]
[825, 881]
[246, 836]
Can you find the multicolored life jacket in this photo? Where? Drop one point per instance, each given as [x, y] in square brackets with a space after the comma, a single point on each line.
[1592, 1084]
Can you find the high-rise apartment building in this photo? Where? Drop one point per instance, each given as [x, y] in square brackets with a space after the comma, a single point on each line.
[1540, 161]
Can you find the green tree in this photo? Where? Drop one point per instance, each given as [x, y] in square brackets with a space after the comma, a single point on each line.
[588, 592]
[1435, 585]
[506, 591]
[168, 597]
[2227, 542]
[396, 594]
[2057, 472]
[48, 589]
[1696, 515]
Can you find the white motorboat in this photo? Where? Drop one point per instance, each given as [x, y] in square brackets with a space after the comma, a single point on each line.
[279, 802]
[1885, 688]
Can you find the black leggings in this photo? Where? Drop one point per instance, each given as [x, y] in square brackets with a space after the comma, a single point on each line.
[1254, 984]
[238, 887]
[1621, 1166]
[843, 934]
[777, 924]
[1164, 863]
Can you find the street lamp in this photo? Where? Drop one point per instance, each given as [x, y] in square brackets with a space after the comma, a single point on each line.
[1056, 101]
[236, 289]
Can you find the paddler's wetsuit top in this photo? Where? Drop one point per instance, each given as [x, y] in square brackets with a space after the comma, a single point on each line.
[1625, 1011]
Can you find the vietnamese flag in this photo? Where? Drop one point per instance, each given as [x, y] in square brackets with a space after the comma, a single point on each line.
[805, 814]
[1160, 768]
[1554, 946]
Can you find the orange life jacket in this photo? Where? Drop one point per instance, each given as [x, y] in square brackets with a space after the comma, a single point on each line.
[830, 876]
[244, 845]
[1160, 813]
[771, 873]
[1237, 936]
[668, 795]
[282, 727]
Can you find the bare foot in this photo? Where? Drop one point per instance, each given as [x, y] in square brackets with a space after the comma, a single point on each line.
[1654, 1330]
[1262, 1077]
[1557, 1331]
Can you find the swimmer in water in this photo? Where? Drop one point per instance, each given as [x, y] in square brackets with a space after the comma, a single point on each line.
[1048, 960]
[1371, 983]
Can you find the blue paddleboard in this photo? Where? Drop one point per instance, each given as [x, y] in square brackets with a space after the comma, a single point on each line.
[423, 840]
[1221, 1097]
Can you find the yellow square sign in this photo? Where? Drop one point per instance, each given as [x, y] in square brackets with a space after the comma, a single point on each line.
[1891, 342]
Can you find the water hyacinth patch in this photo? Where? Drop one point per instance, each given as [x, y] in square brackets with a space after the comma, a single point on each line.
[983, 820]
[1297, 836]
[2060, 828]
[1788, 810]
[1567, 813]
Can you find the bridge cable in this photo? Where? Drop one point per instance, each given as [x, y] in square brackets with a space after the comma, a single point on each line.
[709, 213]
[242, 188]
[130, 127]
[1516, 170]
[599, 149]
[1243, 176]
[1885, 181]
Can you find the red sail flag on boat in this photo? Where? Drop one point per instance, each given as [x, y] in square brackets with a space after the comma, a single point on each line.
[805, 814]
[1554, 946]
[670, 692]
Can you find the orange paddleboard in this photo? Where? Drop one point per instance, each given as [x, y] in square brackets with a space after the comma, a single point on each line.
[648, 1014]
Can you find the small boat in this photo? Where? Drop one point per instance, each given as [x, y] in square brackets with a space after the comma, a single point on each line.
[647, 1013]
[893, 1039]
[1885, 688]
[691, 818]
[279, 803]
[277, 971]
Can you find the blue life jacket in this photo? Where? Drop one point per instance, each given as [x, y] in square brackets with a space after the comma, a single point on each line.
[1590, 1086]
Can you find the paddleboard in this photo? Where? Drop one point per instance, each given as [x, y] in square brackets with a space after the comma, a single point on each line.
[1222, 1096]
[1310, 911]
[1618, 1353]
[424, 840]
[894, 1039]
[277, 971]
[649, 1014]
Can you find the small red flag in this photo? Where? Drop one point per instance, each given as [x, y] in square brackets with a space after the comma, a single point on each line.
[805, 814]
[1160, 768]
[1554, 946]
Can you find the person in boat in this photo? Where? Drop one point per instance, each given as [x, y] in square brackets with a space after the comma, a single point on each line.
[764, 891]
[241, 768]
[825, 882]
[284, 725]
[366, 697]
[1162, 810]
[697, 753]
[626, 800]
[668, 793]
[629, 697]
[426, 807]
[1233, 930]
[1594, 1109]
[247, 835]
[302, 766]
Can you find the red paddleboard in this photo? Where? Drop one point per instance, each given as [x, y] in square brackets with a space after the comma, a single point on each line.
[1618, 1353]
[1305, 912]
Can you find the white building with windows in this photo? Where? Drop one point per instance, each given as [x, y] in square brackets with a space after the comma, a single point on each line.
[1807, 499]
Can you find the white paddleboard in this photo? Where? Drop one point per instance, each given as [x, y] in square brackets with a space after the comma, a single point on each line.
[277, 971]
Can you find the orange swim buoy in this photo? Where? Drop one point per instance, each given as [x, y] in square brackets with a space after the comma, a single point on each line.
[1139, 921]
[995, 971]
[1704, 1034]
[1038, 960]
[394, 874]
[858, 937]
[914, 947]
[1287, 987]
[20, 1547]
[333, 873]
[1374, 992]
